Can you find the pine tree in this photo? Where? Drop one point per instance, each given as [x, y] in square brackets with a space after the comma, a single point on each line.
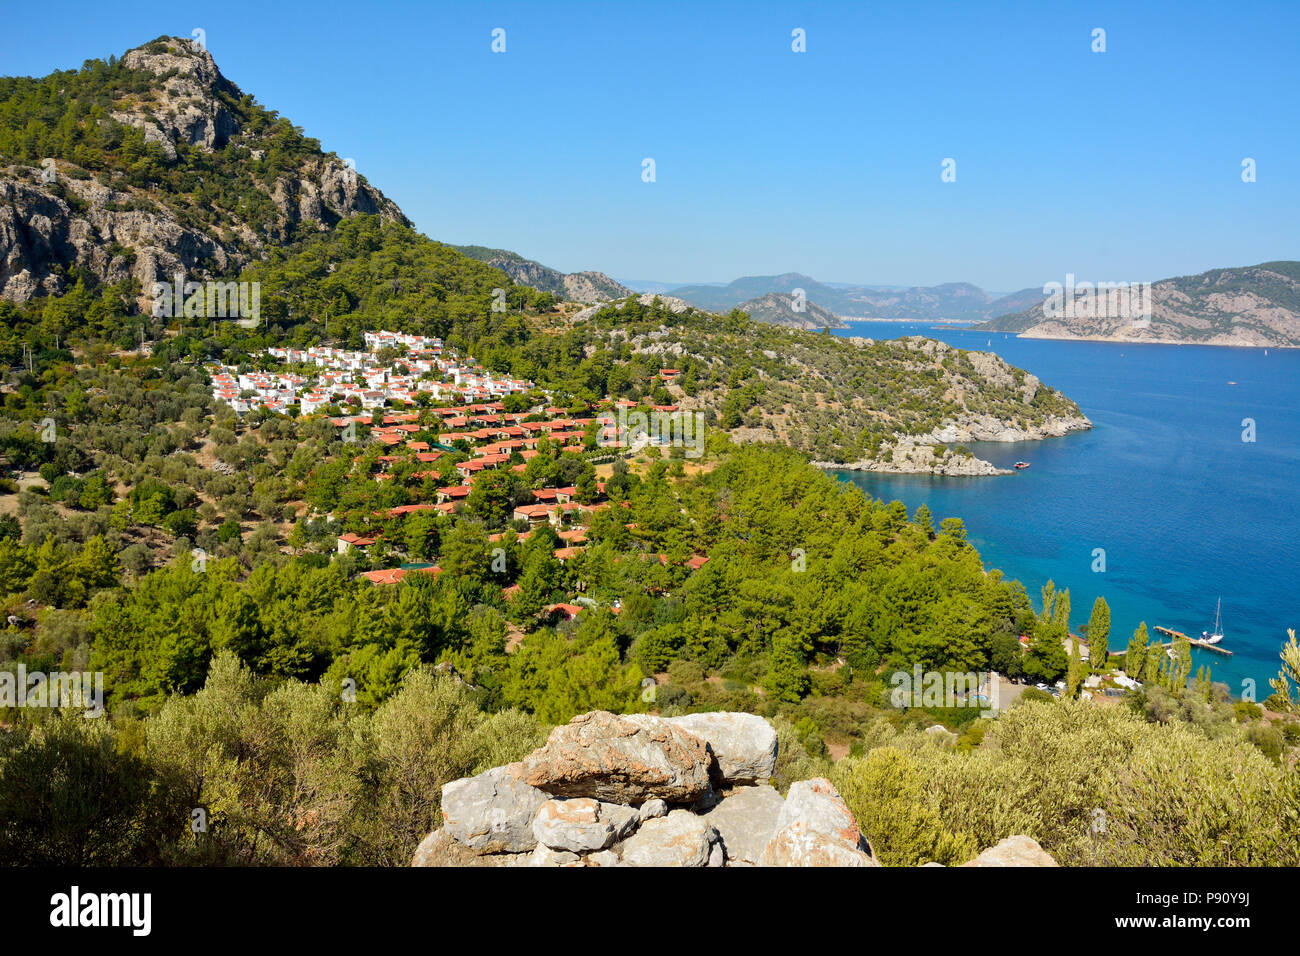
[924, 520]
[1075, 673]
[1099, 635]
[1180, 663]
[1136, 656]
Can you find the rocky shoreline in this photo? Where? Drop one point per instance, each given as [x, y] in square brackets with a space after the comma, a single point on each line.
[915, 454]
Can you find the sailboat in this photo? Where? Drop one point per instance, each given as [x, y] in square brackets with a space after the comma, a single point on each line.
[1213, 637]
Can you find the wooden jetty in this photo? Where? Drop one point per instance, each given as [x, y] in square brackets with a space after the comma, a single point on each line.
[1194, 641]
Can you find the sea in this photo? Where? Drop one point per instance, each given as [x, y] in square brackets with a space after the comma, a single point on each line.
[1184, 493]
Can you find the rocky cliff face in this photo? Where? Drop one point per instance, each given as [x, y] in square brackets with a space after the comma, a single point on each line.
[644, 791]
[584, 287]
[592, 287]
[63, 215]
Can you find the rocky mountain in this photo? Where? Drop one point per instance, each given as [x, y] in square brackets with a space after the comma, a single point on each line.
[778, 308]
[156, 164]
[952, 300]
[1253, 305]
[585, 287]
[642, 791]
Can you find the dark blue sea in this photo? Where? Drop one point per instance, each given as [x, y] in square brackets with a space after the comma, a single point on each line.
[1186, 511]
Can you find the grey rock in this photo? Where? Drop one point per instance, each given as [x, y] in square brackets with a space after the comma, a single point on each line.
[746, 819]
[679, 839]
[441, 849]
[1016, 850]
[652, 809]
[582, 824]
[717, 855]
[493, 811]
[545, 856]
[744, 745]
[625, 760]
[816, 828]
[605, 858]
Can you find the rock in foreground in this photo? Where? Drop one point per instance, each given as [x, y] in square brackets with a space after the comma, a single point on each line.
[744, 745]
[611, 791]
[816, 828]
[492, 812]
[1014, 851]
[746, 820]
[625, 760]
[679, 839]
[582, 824]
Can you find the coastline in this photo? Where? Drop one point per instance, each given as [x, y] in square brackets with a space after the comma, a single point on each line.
[914, 454]
[1132, 340]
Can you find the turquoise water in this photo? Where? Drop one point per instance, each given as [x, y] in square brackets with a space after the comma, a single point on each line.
[1185, 510]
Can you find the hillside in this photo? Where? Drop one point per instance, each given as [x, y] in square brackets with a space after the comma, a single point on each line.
[584, 287]
[777, 308]
[1251, 306]
[210, 177]
[877, 405]
[952, 300]
[155, 163]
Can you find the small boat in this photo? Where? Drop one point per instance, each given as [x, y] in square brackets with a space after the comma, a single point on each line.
[1022, 465]
[1215, 636]
[1232, 383]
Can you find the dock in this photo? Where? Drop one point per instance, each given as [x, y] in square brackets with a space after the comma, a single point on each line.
[1194, 641]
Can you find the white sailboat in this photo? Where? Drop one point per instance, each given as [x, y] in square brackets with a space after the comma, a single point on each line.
[1213, 637]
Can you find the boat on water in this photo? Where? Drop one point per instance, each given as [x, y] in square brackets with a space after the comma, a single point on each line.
[1022, 465]
[1215, 636]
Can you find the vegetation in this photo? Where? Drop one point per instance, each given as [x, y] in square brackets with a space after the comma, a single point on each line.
[267, 704]
[1097, 786]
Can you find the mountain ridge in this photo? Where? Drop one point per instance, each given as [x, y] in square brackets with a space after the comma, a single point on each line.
[1254, 306]
[949, 300]
[156, 164]
[587, 287]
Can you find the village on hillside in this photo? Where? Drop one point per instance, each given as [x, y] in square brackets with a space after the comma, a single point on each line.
[441, 450]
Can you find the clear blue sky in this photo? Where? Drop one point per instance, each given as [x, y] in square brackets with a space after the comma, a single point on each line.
[1122, 165]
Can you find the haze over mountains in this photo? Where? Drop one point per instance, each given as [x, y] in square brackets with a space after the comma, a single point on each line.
[1243, 306]
[952, 300]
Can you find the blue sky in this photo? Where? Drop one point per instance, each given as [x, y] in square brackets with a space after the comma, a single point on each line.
[1123, 165]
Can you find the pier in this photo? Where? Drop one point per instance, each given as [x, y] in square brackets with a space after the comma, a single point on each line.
[1194, 641]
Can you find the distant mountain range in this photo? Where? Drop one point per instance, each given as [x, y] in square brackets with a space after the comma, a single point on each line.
[585, 287]
[952, 300]
[1251, 305]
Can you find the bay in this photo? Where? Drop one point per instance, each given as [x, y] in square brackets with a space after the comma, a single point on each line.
[1185, 510]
